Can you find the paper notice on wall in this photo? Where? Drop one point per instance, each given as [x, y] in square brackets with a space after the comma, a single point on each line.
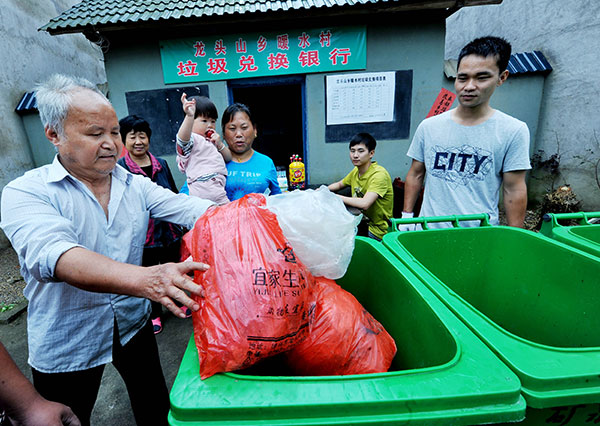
[360, 98]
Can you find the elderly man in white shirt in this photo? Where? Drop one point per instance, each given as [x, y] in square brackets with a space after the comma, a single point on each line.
[79, 226]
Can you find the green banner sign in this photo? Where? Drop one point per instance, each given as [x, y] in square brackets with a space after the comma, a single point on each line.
[263, 54]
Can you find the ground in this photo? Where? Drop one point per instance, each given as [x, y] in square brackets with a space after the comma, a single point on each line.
[11, 282]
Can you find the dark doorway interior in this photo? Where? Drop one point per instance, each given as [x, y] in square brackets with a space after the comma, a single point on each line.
[277, 111]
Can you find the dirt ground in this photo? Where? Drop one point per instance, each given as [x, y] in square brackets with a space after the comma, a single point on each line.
[11, 282]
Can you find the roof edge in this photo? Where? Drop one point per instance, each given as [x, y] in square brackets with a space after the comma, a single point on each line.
[62, 25]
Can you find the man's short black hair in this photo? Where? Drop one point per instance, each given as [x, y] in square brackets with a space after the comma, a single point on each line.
[204, 107]
[135, 123]
[365, 138]
[488, 46]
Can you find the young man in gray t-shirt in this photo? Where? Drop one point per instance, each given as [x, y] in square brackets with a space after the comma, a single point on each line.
[466, 154]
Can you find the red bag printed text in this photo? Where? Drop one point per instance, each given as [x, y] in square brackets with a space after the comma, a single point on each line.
[257, 293]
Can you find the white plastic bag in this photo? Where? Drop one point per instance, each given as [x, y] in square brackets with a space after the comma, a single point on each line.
[319, 228]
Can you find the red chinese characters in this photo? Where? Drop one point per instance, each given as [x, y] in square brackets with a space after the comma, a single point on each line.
[303, 42]
[325, 38]
[187, 69]
[240, 46]
[220, 48]
[283, 42]
[199, 49]
[217, 66]
[266, 54]
[309, 58]
[247, 64]
[261, 44]
[339, 53]
[280, 60]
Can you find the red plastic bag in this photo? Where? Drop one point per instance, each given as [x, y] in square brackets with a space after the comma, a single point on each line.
[257, 293]
[343, 337]
[184, 250]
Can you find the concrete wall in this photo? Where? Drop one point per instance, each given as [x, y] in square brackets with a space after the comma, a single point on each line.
[28, 57]
[567, 33]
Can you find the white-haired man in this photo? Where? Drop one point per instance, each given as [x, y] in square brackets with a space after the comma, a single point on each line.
[79, 226]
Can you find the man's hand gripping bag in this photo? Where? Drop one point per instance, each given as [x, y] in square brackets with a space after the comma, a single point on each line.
[343, 337]
[257, 293]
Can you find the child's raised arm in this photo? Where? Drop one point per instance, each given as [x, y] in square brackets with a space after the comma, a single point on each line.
[189, 108]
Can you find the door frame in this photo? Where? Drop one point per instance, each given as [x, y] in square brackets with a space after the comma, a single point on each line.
[278, 81]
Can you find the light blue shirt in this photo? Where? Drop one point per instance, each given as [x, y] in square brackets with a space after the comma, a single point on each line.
[253, 176]
[465, 165]
[46, 212]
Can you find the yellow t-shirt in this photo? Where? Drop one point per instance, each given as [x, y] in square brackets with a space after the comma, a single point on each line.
[376, 179]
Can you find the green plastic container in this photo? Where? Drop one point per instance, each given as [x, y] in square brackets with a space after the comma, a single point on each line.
[442, 374]
[534, 301]
[585, 236]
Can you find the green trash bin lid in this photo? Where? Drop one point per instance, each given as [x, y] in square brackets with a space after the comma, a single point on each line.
[442, 374]
[534, 301]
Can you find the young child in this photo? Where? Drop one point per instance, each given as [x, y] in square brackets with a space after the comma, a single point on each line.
[371, 186]
[201, 154]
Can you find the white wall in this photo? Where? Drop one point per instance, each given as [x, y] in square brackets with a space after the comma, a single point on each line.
[29, 57]
[568, 34]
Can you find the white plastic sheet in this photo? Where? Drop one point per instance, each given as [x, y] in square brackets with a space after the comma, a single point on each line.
[319, 228]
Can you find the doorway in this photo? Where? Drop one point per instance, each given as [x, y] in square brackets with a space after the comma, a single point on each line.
[277, 107]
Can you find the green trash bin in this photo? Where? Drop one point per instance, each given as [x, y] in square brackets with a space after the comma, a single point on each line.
[585, 236]
[442, 374]
[534, 301]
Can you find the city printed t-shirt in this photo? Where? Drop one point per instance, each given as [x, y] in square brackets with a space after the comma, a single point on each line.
[253, 176]
[464, 164]
[375, 179]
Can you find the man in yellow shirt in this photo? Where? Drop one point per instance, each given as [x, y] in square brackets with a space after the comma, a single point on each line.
[371, 186]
